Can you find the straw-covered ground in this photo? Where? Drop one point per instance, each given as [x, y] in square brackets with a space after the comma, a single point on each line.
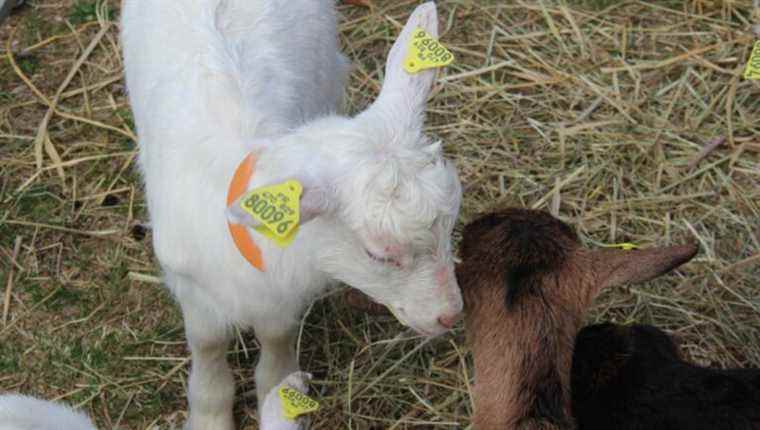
[628, 119]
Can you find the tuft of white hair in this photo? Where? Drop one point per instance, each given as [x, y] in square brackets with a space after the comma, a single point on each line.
[19, 412]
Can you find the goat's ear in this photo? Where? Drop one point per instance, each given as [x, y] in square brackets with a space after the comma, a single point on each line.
[401, 89]
[313, 203]
[614, 266]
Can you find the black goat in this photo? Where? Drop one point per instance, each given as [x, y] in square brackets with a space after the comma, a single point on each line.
[632, 378]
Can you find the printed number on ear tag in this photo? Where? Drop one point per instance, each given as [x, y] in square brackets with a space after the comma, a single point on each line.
[753, 65]
[295, 403]
[424, 52]
[627, 246]
[277, 208]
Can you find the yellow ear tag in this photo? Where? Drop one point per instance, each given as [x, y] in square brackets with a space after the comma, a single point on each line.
[277, 208]
[753, 64]
[295, 403]
[424, 52]
[624, 246]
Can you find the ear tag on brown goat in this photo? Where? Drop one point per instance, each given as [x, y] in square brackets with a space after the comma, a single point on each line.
[625, 246]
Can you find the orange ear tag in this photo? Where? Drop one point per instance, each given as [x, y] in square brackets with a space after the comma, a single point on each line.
[240, 234]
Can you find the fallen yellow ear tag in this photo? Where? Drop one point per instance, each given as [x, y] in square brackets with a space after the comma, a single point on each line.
[753, 64]
[277, 208]
[424, 52]
[624, 246]
[295, 403]
[395, 315]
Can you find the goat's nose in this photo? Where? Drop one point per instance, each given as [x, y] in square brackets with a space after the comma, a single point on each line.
[448, 321]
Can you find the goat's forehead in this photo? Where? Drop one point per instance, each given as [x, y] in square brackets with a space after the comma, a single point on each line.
[404, 201]
[406, 234]
[527, 230]
[407, 207]
[402, 233]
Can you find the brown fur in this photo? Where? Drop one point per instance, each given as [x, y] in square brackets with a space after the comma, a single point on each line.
[513, 314]
[526, 283]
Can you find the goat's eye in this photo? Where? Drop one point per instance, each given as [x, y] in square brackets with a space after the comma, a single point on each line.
[383, 260]
[375, 257]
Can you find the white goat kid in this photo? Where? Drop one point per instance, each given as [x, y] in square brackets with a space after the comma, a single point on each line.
[18, 412]
[27, 413]
[211, 81]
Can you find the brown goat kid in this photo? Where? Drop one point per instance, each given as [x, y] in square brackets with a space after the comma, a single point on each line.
[527, 283]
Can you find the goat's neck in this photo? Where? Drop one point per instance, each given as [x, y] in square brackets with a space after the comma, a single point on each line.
[523, 358]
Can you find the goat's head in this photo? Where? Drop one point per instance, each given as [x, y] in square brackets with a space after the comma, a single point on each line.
[530, 253]
[606, 352]
[601, 349]
[526, 283]
[392, 196]
[399, 215]
[401, 200]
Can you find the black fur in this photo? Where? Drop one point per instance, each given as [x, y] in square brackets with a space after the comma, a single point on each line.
[632, 378]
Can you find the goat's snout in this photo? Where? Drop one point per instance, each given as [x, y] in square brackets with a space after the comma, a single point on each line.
[448, 321]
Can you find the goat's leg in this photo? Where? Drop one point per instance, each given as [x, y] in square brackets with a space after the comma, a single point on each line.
[211, 390]
[278, 358]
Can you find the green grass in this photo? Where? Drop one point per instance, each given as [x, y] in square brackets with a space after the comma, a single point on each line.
[29, 65]
[9, 359]
[86, 11]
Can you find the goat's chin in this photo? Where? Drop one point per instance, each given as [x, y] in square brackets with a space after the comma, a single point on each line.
[437, 331]
[428, 330]
[423, 327]
[415, 301]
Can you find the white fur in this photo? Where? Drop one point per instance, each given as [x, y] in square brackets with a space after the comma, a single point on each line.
[211, 80]
[27, 413]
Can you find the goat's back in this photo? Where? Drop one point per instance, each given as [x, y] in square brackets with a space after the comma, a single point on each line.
[632, 378]
[206, 78]
[211, 61]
